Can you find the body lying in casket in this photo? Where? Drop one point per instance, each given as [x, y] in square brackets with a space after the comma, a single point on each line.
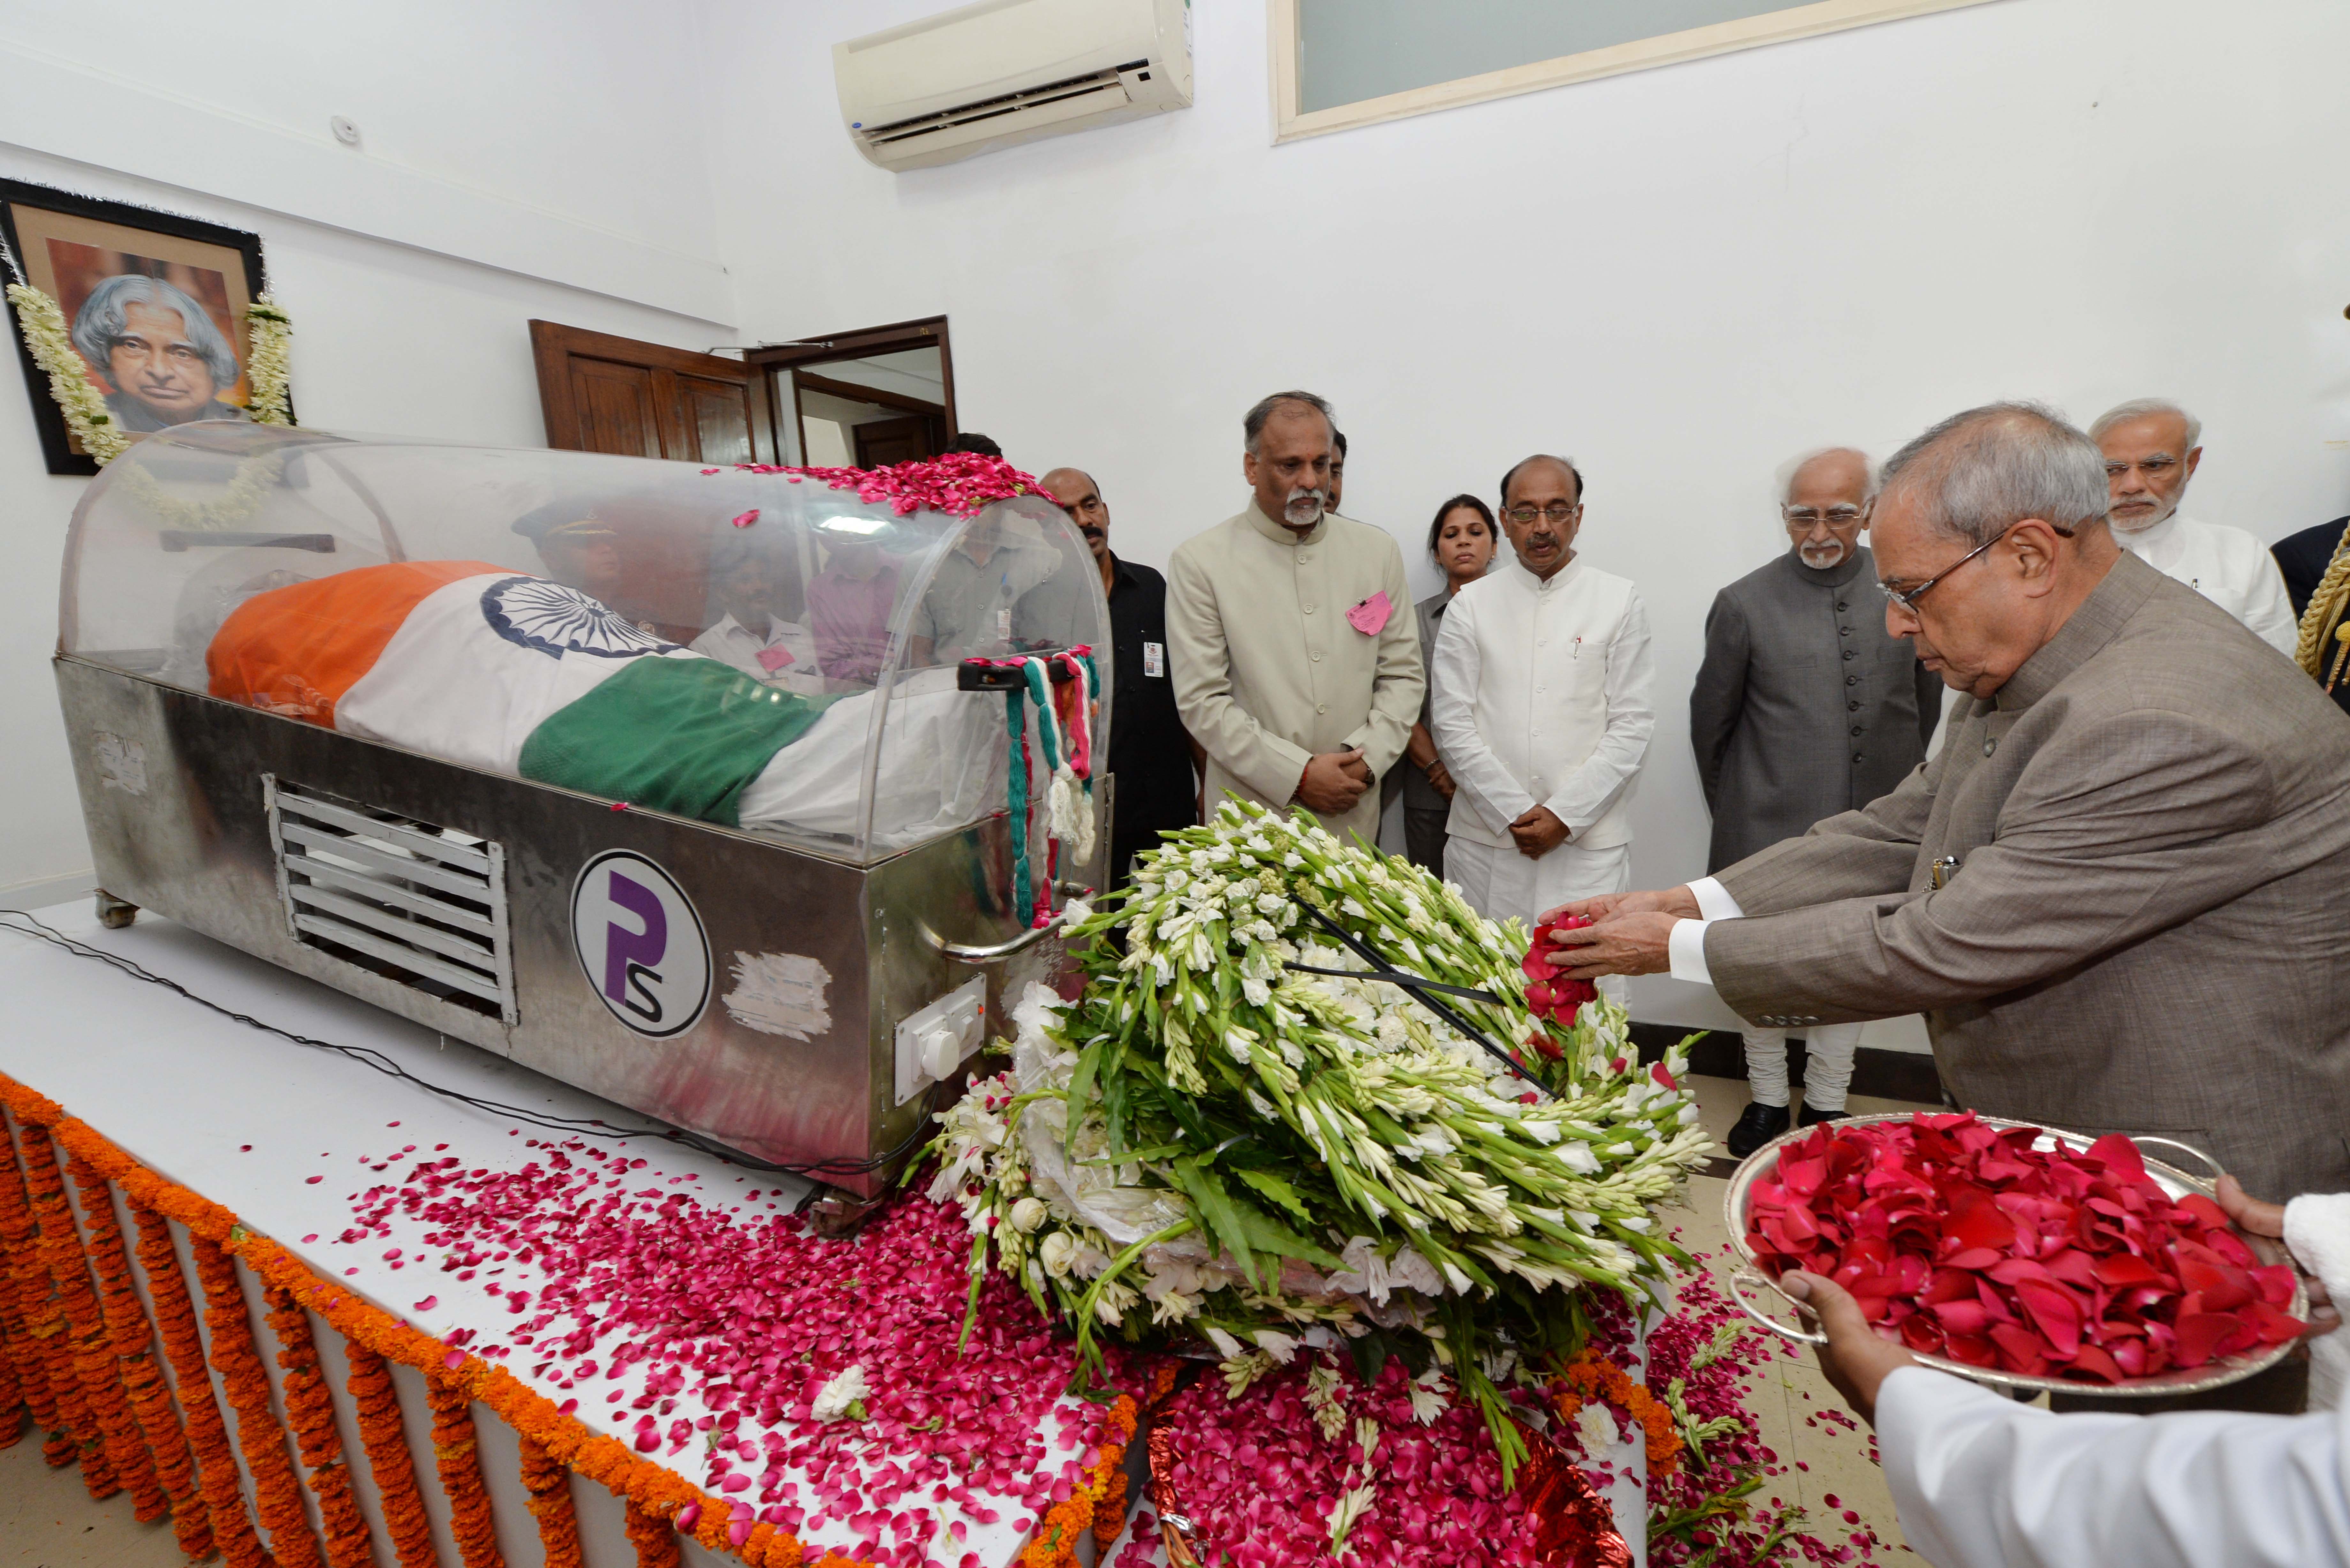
[521, 675]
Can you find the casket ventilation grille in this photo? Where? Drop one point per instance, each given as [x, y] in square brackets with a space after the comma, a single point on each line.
[411, 901]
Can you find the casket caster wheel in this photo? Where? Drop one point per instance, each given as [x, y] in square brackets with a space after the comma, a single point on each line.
[839, 1214]
[113, 913]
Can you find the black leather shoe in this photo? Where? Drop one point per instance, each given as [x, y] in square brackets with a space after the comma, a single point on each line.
[1757, 1127]
[1811, 1118]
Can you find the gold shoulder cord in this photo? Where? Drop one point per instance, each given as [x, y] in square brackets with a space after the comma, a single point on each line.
[2321, 623]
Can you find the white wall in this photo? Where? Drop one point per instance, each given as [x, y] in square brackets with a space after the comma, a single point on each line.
[518, 162]
[1678, 276]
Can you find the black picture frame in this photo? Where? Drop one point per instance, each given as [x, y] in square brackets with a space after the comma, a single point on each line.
[56, 447]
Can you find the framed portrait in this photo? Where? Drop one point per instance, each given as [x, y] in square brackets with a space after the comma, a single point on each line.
[157, 306]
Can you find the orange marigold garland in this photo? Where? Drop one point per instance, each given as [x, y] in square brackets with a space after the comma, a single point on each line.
[655, 1541]
[277, 1490]
[71, 1435]
[384, 1436]
[183, 1346]
[460, 1462]
[549, 1486]
[1055, 1544]
[141, 1375]
[94, 1362]
[1592, 1375]
[310, 1411]
[18, 1254]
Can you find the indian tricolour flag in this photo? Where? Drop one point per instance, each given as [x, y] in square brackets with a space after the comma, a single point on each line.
[513, 673]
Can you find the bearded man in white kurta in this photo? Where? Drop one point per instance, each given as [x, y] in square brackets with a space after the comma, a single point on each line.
[1290, 635]
[1542, 712]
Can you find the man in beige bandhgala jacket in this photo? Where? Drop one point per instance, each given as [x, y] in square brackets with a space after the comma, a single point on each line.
[1296, 657]
[2120, 892]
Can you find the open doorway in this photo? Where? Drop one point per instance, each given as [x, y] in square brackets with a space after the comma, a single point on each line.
[861, 400]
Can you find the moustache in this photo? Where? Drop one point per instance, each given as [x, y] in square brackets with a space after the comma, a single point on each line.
[1303, 505]
[1827, 555]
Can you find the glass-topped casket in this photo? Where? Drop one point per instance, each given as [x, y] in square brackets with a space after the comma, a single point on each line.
[689, 786]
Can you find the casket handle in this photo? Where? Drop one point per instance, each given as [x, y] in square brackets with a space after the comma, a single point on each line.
[1739, 1282]
[993, 952]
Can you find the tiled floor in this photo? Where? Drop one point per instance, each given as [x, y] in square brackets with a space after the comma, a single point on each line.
[1828, 1460]
[47, 1521]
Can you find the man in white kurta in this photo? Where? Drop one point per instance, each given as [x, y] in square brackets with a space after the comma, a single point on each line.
[1290, 635]
[2152, 449]
[1541, 711]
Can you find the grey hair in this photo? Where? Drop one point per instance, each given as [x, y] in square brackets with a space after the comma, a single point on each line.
[1253, 423]
[1984, 471]
[1566, 462]
[2140, 407]
[1796, 464]
[103, 321]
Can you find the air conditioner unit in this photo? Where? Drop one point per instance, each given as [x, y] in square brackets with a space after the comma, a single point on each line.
[1006, 71]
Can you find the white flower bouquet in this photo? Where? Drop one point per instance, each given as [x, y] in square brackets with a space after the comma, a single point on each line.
[1301, 1099]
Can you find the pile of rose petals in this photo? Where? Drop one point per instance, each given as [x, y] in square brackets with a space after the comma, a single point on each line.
[1258, 1480]
[701, 1327]
[1961, 1241]
[1551, 992]
[957, 483]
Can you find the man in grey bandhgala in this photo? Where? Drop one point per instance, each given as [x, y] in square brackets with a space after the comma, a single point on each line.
[1806, 706]
[167, 362]
[2120, 891]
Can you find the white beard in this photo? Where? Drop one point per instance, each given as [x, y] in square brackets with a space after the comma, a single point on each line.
[1309, 502]
[1820, 558]
[2139, 525]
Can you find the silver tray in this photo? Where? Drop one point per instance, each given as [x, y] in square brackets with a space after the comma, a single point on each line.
[2216, 1374]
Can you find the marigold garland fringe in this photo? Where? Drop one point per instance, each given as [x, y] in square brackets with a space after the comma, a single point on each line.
[460, 1462]
[384, 1435]
[183, 1346]
[16, 1300]
[655, 1541]
[549, 1486]
[654, 1494]
[276, 1490]
[310, 1411]
[93, 1367]
[134, 1349]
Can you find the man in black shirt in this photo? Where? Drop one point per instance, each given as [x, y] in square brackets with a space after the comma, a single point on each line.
[1150, 754]
[2304, 558]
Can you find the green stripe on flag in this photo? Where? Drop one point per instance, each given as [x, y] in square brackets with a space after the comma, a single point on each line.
[680, 735]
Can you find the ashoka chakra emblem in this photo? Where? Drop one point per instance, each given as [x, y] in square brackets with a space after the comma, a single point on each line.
[557, 620]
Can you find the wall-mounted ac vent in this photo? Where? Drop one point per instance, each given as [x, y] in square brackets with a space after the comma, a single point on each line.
[1006, 71]
[411, 901]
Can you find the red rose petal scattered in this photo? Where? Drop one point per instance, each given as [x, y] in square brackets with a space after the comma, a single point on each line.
[1962, 1241]
[1555, 995]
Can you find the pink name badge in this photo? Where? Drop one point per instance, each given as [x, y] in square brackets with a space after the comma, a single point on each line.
[1372, 614]
[774, 659]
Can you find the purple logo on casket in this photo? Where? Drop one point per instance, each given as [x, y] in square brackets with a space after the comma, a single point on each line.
[641, 944]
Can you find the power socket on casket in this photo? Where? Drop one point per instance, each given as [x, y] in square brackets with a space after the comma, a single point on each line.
[933, 1043]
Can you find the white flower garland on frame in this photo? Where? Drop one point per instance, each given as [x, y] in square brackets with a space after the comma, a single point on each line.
[267, 370]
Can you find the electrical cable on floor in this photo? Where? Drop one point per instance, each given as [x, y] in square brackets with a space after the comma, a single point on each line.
[367, 1056]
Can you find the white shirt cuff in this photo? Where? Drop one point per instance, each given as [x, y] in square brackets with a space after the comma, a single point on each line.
[1714, 900]
[1686, 946]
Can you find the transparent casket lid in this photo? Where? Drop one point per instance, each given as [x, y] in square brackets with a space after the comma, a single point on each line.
[755, 649]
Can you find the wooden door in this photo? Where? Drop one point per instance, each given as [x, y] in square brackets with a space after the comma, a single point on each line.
[881, 442]
[602, 393]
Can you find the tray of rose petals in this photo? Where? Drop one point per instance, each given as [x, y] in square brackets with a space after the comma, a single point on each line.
[2019, 1256]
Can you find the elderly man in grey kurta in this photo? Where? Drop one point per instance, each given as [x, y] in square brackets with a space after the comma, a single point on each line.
[1290, 631]
[2118, 892]
[1804, 706]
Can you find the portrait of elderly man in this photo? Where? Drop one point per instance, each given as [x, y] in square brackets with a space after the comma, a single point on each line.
[2115, 891]
[161, 352]
[2152, 449]
[1295, 653]
[1542, 710]
[1805, 706]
